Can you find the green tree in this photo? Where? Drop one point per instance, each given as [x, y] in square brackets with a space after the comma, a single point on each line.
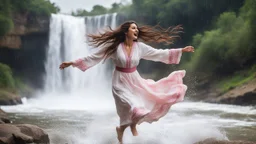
[80, 12]
[38, 7]
[6, 24]
[5, 17]
[6, 78]
[228, 47]
[115, 7]
[8, 8]
[98, 10]
[42, 7]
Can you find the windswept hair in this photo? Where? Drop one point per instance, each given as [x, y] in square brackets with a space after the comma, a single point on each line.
[112, 38]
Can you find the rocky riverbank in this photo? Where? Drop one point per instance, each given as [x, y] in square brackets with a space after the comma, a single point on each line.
[241, 95]
[9, 98]
[20, 133]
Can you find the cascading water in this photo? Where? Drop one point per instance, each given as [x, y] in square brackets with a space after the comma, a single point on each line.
[67, 42]
[77, 107]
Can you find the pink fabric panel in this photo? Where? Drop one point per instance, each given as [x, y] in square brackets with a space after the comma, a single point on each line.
[165, 92]
[174, 56]
[79, 63]
[138, 113]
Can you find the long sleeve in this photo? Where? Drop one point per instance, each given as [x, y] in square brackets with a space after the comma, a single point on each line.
[168, 56]
[90, 60]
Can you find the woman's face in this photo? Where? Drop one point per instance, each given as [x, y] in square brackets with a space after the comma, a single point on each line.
[133, 32]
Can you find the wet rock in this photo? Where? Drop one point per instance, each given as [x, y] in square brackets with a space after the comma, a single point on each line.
[3, 117]
[214, 141]
[4, 120]
[9, 98]
[11, 101]
[2, 113]
[22, 134]
[241, 95]
[246, 99]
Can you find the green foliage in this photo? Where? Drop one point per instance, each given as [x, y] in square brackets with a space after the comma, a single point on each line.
[5, 7]
[42, 7]
[200, 59]
[226, 48]
[98, 10]
[10, 84]
[6, 78]
[6, 24]
[80, 12]
[38, 7]
[249, 11]
[34, 7]
[22, 88]
[20, 6]
[237, 79]
[194, 16]
[116, 7]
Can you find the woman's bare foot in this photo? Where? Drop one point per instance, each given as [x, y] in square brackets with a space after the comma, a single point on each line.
[119, 135]
[134, 130]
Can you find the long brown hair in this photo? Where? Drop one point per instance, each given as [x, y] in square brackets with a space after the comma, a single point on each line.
[112, 38]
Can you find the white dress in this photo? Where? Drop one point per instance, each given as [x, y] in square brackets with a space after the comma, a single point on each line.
[141, 100]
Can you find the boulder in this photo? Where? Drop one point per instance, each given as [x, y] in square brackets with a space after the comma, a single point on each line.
[3, 117]
[9, 98]
[22, 134]
[242, 95]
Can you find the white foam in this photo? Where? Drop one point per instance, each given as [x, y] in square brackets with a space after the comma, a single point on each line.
[215, 107]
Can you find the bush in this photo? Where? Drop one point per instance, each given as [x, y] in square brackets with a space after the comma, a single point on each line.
[42, 7]
[6, 25]
[226, 48]
[37, 7]
[6, 78]
[34, 7]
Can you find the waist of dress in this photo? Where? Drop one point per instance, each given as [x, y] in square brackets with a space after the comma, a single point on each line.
[126, 70]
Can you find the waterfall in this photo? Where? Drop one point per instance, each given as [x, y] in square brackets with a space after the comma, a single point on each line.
[67, 42]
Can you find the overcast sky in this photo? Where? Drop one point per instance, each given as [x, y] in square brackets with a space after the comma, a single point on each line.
[67, 6]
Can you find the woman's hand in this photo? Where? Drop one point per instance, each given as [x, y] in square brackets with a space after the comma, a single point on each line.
[188, 49]
[65, 64]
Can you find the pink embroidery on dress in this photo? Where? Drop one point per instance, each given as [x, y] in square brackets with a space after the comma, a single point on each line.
[79, 63]
[128, 57]
[174, 56]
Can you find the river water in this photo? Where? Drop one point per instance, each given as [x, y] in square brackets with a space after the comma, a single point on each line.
[77, 107]
[81, 120]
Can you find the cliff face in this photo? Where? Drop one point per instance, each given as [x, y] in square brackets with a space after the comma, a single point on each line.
[24, 24]
[24, 47]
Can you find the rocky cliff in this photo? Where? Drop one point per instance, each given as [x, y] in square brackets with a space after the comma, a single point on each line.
[24, 24]
[24, 47]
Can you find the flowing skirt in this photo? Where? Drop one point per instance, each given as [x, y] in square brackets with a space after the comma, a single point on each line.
[144, 100]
